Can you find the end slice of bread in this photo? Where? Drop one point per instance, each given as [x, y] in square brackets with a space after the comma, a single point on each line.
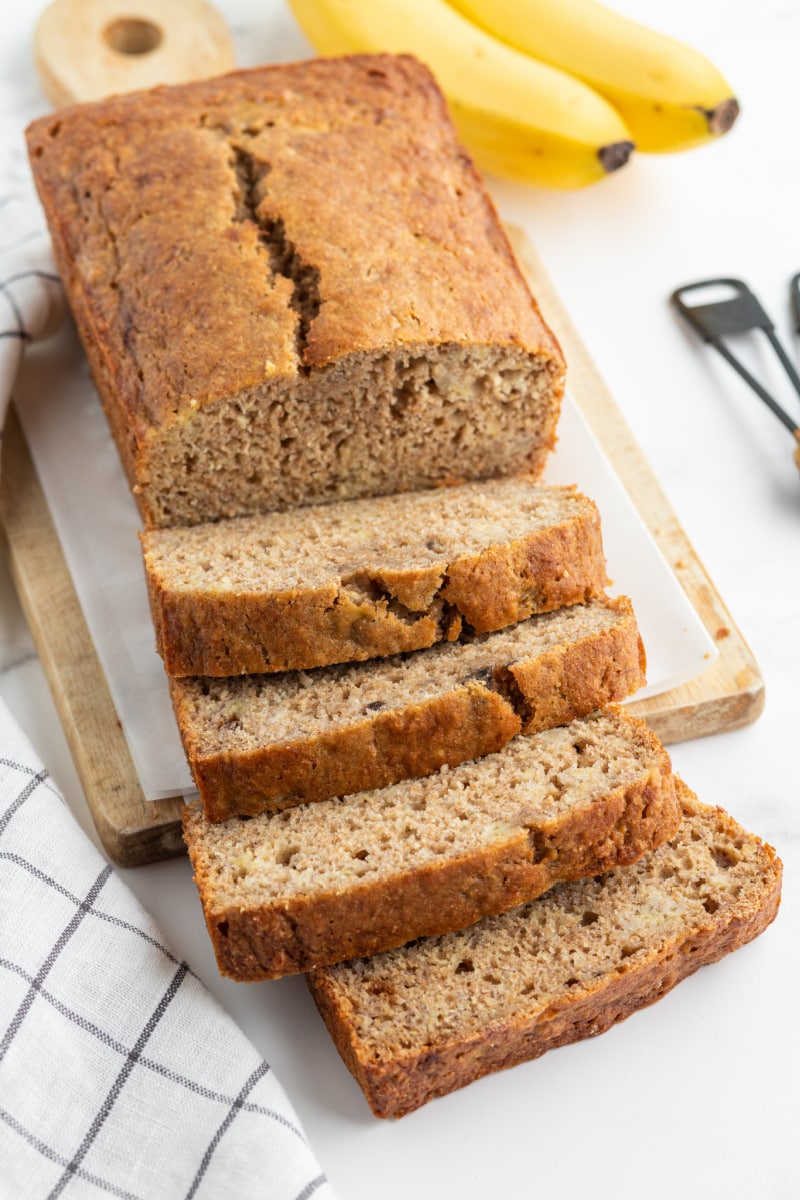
[261, 743]
[567, 966]
[324, 882]
[293, 288]
[367, 578]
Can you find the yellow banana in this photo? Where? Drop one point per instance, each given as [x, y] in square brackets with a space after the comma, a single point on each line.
[670, 96]
[520, 118]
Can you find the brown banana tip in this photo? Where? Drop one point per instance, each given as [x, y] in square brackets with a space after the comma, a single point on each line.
[721, 118]
[797, 449]
[615, 155]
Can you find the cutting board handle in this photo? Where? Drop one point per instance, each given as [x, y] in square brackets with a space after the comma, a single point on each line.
[88, 49]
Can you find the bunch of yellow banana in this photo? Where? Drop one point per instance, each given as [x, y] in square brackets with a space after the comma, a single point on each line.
[555, 92]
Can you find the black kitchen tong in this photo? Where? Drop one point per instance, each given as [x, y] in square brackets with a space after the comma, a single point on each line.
[742, 313]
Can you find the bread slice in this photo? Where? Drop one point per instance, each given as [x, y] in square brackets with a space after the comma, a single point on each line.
[421, 1021]
[293, 288]
[368, 578]
[287, 891]
[259, 743]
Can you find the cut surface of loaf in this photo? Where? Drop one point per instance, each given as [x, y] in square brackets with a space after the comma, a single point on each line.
[367, 578]
[421, 1021]
[292, 288]
[284, 892]
[259, 743]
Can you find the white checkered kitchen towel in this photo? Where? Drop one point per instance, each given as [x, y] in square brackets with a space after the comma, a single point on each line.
[119, 1074]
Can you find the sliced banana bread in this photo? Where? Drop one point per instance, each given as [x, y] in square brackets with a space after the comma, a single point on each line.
[361, 579]
[423, 1020]
[260, 743]
[287, 891]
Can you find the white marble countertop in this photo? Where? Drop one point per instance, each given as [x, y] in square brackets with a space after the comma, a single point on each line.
[699, 1095]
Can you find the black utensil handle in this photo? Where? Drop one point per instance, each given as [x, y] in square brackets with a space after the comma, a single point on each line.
[741, 313]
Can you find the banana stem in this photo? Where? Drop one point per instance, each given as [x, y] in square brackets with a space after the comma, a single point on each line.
[615, 155]
[721, 118]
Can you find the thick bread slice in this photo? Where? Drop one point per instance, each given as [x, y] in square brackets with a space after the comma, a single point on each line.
[421, 1021]
[259, 743]
[367, 578]
[287, 891]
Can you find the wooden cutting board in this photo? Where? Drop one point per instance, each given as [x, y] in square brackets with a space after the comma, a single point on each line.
[86, 49]
[730, 693]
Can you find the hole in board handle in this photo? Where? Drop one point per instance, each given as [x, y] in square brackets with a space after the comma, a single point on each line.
[133, 35]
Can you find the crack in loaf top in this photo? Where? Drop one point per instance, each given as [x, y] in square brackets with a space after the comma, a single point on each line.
[266, 223]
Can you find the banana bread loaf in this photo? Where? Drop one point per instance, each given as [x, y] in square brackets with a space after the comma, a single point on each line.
[360, 579]
[426, 1019]
[292, 288]
[283, 892]
[259, 743]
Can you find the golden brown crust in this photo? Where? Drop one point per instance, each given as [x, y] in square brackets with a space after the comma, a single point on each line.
[280, 938]
[157, 141]
[232, 634]
[470, 720]
[228, 633]
[399, 1084]
[545, 571]
[158, 200]
[569, 682]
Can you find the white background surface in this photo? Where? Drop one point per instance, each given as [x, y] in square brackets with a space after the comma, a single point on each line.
[698, 1096]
